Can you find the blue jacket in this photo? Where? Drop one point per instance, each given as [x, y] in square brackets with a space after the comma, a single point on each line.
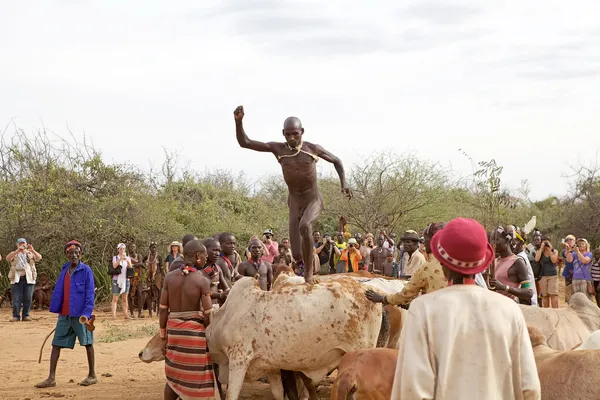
[82, 291]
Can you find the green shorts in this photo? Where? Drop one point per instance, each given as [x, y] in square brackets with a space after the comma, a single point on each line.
[67, 328]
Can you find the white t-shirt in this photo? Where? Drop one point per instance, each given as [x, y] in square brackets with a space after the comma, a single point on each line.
[465, 342]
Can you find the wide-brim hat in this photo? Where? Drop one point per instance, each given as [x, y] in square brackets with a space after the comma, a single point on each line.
[411, 235]
[268, 232]
[176, 243]
[352, 241]
[462, 246]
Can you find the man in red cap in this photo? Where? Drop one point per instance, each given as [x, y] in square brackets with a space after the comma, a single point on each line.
[463, 341]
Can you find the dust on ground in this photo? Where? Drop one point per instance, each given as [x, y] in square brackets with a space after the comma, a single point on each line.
[117, 344]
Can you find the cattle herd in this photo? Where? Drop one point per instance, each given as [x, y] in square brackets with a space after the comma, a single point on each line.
[317, 329]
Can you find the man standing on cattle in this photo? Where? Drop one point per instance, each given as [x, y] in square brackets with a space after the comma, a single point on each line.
[298, 162]
[185, 312]
[463, 341]
[73, 300]
[429, 278]
[511, 274]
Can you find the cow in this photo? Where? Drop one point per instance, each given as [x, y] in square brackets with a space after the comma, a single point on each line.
[565, 328]
[592, 342]
[366, 374]
[565, 374]
[295, 327]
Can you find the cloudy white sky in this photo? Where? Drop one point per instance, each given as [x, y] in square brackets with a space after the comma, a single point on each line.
[511, 80]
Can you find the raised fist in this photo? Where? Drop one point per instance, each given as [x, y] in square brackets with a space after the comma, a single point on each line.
[238, 114]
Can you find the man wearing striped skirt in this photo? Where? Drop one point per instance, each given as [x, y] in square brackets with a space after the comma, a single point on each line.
[188, 366]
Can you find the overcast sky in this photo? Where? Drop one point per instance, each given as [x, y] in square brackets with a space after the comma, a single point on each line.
[511, 80]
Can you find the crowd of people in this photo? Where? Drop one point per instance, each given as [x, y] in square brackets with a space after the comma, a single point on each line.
[526, 272]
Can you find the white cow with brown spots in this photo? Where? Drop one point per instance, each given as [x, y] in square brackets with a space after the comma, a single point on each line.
[295, 327]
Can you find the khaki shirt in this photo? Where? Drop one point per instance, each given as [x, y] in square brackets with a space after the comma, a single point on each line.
[413, 263]
[429, 278]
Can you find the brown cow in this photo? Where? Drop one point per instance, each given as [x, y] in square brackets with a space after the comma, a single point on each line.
[565, 374]
[367, 374]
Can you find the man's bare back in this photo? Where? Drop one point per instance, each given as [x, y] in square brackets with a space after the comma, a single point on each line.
[184, 292]
[298, 163]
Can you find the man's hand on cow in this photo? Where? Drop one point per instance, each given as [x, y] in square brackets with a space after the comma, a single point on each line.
[374, 297]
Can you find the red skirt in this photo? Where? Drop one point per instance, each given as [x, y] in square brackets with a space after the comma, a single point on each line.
[188, 366]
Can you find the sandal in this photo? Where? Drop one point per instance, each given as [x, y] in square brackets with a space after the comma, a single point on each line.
[88, 381]
[48, 383]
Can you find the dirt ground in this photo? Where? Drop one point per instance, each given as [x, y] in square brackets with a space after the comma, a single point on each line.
[117, 344]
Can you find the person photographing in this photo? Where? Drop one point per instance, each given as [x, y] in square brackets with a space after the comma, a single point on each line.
[547, 257]
[351, 255]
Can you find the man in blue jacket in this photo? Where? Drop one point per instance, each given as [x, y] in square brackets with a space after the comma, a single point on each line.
[72, 298]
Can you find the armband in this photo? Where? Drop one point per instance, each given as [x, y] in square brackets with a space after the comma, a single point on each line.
[206, 312]
[163, 306]
[525, 284]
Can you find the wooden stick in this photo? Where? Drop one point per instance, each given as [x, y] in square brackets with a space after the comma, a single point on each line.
[43, 344]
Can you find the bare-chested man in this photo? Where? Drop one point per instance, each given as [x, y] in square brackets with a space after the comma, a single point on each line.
[378, 255]
[262, 268]
[298, 162]
[229, 259]
[185, 312]
[219, 286]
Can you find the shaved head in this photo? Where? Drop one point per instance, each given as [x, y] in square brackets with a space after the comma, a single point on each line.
[191, 249]
[292, 123]
[210, 242]
[187, 238]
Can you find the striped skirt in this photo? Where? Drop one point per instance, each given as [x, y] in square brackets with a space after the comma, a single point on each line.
[188, 366]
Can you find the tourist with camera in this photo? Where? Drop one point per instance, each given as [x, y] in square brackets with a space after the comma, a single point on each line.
[351, 255]
[22, 276]
[323, 250]
[547, 258]
[581, 257]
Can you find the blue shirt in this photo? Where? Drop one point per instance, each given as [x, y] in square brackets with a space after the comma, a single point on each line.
[568, 270]
[81, 299]
[581, 270]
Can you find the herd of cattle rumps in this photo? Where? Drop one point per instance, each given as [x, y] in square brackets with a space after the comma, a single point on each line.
[316, 329]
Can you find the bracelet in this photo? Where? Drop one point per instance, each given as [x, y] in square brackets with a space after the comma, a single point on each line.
[507, 289]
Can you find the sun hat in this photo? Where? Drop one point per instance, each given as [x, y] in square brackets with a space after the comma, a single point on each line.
[352, 241]
[176, 243]
[268, 232]
[121, 245]
[462, 246]
[411, 235]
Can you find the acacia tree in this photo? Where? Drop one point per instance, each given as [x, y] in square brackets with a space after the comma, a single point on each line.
[390, 192]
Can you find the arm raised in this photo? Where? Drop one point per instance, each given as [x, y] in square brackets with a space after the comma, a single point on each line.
[243, 139]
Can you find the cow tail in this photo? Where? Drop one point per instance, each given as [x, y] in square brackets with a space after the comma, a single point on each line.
[384, 330]
[347, 386]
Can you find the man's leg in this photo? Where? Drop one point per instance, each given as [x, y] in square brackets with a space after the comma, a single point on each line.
[309, 216]
[169, 394]
[27, 297]
[295, 241]
[51, 380]
[17, 297]
[131, 302]
[91, 378]
[86, 338]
